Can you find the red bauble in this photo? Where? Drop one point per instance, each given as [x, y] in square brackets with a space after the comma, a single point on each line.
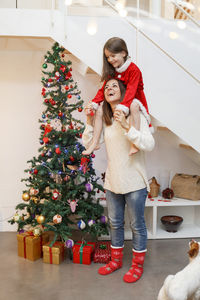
[63, 55]
[72, 158]
[60, 114]
[67, 88]
[69, 96]
[71, 126]
[71, 86]
[42, 154]
[80, 109]
[50, 80]
[58, 150]
[63, 129]
[46, 100]
[80, 135]
[45, 140]
[35, 171]
[93, 155]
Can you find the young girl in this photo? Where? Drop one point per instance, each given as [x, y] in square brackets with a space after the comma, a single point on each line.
[117, 64]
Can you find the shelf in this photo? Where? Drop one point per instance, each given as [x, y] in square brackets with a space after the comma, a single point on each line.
[185, 231]
[160, 201]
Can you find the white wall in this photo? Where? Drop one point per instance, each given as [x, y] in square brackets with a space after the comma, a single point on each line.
[20, 109]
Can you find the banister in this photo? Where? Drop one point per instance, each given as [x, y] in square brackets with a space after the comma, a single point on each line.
[155, 44]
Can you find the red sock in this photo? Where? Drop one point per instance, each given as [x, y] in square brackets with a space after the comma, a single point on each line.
[136, 270]
[114, 264]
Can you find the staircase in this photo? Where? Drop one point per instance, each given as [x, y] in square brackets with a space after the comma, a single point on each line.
[170, 71]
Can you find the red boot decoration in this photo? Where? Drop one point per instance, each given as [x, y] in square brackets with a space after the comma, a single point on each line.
[136, 270]
[114, 264]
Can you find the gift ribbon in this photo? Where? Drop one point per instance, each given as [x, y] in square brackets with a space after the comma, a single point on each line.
[81, 249]
[29, 233]
[50, 252]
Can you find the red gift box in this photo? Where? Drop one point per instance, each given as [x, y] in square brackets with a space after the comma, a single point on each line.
[82, 252]
[102, 252]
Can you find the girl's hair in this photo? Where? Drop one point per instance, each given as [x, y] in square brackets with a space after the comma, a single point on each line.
[107, 111]
[114, 45]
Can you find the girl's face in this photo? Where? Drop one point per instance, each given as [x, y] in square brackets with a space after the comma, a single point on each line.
[112, 91]
[115, 59]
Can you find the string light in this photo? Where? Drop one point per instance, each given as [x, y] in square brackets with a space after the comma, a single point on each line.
[68, 2]
[181, 24]
[173, 35]
[92, 27]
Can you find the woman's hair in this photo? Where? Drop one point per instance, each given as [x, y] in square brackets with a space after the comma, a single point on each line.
[114, 45]
[107, 111]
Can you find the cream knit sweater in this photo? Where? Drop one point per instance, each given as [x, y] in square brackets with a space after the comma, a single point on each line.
[124, 173]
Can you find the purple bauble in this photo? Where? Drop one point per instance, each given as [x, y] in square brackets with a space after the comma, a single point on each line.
[91, 222]
[69, 243]
[21, 231]
[89, 187]
[103, 219]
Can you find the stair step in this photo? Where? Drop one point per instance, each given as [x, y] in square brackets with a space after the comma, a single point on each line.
[162, 128]
[185, 146]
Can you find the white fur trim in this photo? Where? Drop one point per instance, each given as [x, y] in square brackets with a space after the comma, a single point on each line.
[124, 108]
[143, 109]
[113, 247]
[152, 130]
[139, 251]
[95, 105]
[125, 66]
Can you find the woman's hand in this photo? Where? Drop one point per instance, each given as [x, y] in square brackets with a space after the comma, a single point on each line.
[88, 110]
[119, 116]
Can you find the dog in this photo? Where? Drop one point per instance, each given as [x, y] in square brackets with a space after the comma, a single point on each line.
[185, 285]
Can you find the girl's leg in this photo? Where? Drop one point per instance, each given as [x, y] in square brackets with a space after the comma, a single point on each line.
[98, 125]
[116, 205]
[136, 205]
[135, 122]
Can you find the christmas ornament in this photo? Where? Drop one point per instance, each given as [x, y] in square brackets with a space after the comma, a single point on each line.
[93, 155]
[84, 164]
[33, 191]
[72, 158]
[69, 96]
[69, 243]
[44, 66]
[35, 171]
[66, 88]
[57, 219]
[73, 204]
[57, 74]
[168, 193]
[25, 196]
[88, 187]
[103, 219]
[66, 178]
[58, 150]
[91, 222]
[40, 219]
[16, 217]
[55, 194]
[80, 109]
[81, 224]
[37, 231]
[35, 199]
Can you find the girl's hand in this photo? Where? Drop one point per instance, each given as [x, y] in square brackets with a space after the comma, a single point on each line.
[119, 116]
[88, 110]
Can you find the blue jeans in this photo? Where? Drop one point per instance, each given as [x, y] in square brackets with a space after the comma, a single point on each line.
[135, 204]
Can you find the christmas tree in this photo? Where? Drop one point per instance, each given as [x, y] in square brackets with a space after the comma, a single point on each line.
[62, 184]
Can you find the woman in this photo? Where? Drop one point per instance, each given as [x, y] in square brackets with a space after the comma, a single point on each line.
[125, 181]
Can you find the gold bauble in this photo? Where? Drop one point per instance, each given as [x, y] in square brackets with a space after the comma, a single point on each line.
[40, 219]
[35, 199]
[25, 196]
[37, 231]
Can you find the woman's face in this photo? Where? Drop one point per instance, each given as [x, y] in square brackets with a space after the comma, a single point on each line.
[112, 91]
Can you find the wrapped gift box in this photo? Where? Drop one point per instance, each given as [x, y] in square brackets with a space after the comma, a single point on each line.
[83, 252]
[102, 252]
[30, 246]
[55, 254]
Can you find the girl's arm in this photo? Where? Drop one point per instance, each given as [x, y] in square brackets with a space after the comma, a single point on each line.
[99, 97]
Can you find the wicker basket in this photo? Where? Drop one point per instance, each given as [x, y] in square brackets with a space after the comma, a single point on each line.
[154, 187]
